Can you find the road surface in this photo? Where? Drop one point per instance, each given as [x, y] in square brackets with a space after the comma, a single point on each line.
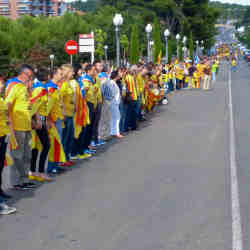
[164, 187]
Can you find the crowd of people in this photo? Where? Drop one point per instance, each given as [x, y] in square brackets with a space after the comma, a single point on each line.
[50, 119]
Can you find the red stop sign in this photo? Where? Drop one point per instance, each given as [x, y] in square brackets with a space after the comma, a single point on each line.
[71, 47]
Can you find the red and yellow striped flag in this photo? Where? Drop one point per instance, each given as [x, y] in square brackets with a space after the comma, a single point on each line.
[159, 57]
[56, 152]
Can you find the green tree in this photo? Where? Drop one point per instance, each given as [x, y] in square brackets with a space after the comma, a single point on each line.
[125, 45]
[100, 38]
[157, 39]
[191, 46]
[134, 48]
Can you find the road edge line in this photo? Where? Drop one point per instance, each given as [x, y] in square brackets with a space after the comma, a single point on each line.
[236, 216]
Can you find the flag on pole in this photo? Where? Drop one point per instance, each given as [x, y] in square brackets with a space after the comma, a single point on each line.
[159, 57]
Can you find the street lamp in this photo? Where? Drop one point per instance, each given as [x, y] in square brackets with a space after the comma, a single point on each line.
[184, 40]
[178, 39]
[184, 49]
[151, 43]
[106, 53]
[148, 30]
[51, 57]
[166, 34]
[197, 47]
[118, 21]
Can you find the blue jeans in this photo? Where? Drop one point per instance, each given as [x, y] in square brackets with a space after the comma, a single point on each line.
[130, 120]
[138, 108]
[214, 76]
[59, 126]
[171, 85]
[68, 136]
[123, 111]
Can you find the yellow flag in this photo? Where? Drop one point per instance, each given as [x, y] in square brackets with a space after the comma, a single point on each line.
[159, 57]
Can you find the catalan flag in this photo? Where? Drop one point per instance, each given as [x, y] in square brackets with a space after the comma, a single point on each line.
[81, 118]
[8, 161]
[159, 57]
[56, 153]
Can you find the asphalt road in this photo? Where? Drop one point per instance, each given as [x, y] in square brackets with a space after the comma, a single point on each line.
[241, 103]
[164, 187]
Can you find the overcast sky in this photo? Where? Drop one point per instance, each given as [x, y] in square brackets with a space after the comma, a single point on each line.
[244, 2]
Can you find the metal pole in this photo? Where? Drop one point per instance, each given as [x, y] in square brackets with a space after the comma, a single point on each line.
[51, 65]
[166, 49]
[178, 49]
[117, 47]
[106, 57]
[71, 59]
[148, 38]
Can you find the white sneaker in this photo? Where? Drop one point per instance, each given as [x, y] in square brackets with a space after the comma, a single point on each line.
[5, 209]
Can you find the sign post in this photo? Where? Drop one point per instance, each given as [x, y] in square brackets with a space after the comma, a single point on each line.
[87, 44]
[71, 48]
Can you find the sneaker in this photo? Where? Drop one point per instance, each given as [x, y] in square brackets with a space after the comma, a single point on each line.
[90, 151]
[84, 156]
[74, 158]
[67, 164]
[20, 187]
[5, 209]
[93, 144]
[35, 177]
[29, 185]
[101, 142]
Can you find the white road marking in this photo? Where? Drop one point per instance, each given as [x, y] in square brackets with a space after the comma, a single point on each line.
[236, 217]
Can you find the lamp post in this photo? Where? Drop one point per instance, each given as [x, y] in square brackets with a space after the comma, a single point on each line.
[148, 30]
[166, 34]
[106, 53]
[151, 44]
[184, 49]
[118, 21]
[178, 39]
[51, 57]
[202, 47]
[197, 47]
[184, 43]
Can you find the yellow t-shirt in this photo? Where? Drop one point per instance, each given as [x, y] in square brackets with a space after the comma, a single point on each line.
[4, 122]
[40, 104]
[18, 96]
[67, 94]
[141, 84]
[91, 92]
[180, 74]
[132, 88]
[55, 109]
[99, 91]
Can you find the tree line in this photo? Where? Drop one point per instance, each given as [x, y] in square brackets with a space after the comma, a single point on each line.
[33, 39]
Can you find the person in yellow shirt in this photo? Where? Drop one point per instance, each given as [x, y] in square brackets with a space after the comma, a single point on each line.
[131, 116]
[19, 110]
[4, 133]
[91, 90]
[179, 77]
[141, 92]
[98, 111]
[69, 106]
[55, 117]
[234, 64]
[170, 78]
[40, 136]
